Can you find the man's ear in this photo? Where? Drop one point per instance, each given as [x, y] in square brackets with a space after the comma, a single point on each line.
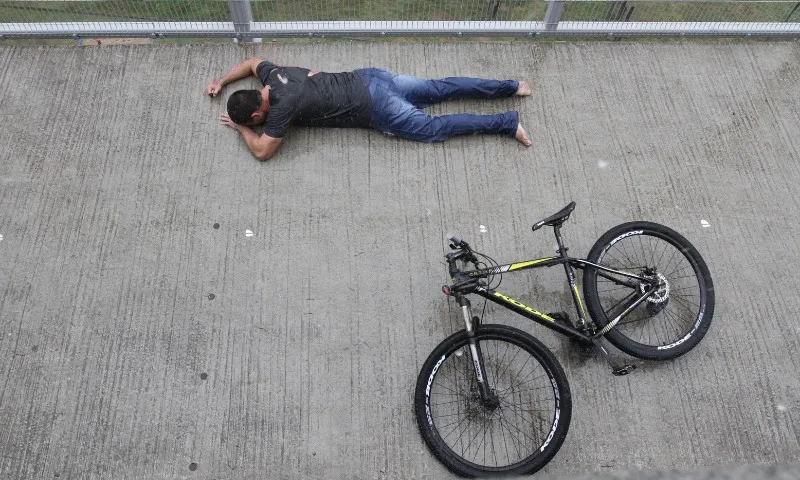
[257, 117]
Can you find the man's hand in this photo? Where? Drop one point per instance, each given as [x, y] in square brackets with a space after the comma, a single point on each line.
[214, 88]
[244, 69]
[224, 119]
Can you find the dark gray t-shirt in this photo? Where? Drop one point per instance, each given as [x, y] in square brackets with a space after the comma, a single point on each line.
[321, 100]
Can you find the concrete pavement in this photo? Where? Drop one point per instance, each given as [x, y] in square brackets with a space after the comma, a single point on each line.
[172, 308]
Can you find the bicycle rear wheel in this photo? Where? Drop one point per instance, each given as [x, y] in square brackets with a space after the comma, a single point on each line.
[676, 316]
[517, 432]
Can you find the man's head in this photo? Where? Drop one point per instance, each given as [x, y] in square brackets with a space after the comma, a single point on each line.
[243, 107]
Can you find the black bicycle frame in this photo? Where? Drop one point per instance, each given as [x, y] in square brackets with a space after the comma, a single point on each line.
[467, 282]
[552, 323]
[569, 264]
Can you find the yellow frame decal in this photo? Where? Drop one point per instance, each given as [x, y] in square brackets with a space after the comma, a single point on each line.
[580, 301]
[524, 307]
[517, 266]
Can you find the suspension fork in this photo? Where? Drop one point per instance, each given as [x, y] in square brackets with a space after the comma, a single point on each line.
[474, 348]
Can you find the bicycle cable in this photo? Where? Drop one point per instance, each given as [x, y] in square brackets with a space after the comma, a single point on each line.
[491, 278]
[491, 263]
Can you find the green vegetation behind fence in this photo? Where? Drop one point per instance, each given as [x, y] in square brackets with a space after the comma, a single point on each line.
[381, 10]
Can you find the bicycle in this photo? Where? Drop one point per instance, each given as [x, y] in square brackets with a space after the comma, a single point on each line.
[640, 279]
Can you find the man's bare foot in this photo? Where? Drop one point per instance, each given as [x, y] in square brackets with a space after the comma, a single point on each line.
[523, 90]
[522, 136]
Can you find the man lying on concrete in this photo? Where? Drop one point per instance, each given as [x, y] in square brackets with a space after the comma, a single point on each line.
[368, 97]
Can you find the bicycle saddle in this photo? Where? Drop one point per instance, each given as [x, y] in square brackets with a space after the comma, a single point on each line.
[555, 219]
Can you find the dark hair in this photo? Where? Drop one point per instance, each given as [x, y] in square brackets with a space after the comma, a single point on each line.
[242, 104]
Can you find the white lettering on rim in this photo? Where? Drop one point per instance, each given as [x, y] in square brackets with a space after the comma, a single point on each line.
[428, 390]
[624, 235]
[557, 415]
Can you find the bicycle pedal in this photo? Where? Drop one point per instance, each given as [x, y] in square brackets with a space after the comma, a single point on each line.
[624, 370]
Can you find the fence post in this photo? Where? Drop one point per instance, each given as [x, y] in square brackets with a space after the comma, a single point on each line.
[242, 15]
[554, 10]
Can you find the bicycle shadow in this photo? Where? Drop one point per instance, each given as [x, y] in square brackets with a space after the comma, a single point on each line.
[574, 356]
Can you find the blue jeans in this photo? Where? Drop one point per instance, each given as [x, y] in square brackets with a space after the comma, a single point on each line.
[397, 101]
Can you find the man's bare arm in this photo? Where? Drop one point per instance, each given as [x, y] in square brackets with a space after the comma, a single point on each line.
[244, 69]
[261, 146]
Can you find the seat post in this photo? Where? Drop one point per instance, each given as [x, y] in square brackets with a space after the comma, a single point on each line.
[573, 284]
[561, 250]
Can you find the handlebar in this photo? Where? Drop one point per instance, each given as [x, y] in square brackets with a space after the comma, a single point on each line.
[464, 251]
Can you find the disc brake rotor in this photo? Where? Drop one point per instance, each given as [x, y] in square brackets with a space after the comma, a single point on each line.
[661, 294]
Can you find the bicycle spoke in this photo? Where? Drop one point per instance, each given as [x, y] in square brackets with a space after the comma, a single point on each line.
[624, 300]
[624, 252]
[674, 322]
[473, 440]
[524, 380]
[472, 428]
[517, 442]
[457, 425]
[621, 246]
[670, 316]
[693, 287]
[682, 302]
[687, 266]
[523, 433]
[509, 363]
[450, 402]
[620, 287]
[641, 245]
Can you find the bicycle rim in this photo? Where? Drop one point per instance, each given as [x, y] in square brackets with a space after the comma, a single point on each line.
[670, 315]
[493, 439]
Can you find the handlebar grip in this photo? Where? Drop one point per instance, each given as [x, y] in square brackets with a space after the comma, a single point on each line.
[454, 238]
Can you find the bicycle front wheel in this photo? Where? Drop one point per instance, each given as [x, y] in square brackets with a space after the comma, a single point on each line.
[516, 431]
[672, 320]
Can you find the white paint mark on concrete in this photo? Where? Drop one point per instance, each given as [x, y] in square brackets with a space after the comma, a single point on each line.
[248, 233]
[781, 408]
[705, 223]
[482, 228]
[1, 237]
[602, 164]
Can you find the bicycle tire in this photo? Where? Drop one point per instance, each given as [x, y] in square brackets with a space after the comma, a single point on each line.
[445, 360]
[665, 310]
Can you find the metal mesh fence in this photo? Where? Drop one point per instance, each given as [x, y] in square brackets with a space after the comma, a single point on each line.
[378, 17]
[682, 11]
[398, 10]
[115, 11]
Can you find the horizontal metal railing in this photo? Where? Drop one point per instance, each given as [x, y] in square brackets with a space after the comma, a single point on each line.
[246, 19]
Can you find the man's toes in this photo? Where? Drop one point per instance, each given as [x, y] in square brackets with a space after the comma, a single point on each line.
[524, 89]
[522, 136]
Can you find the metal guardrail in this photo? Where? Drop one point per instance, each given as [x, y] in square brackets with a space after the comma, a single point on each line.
[249, 19]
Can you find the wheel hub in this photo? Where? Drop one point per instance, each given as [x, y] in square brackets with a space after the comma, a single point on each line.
[484, 407]
[661, 294]
[492, 403]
